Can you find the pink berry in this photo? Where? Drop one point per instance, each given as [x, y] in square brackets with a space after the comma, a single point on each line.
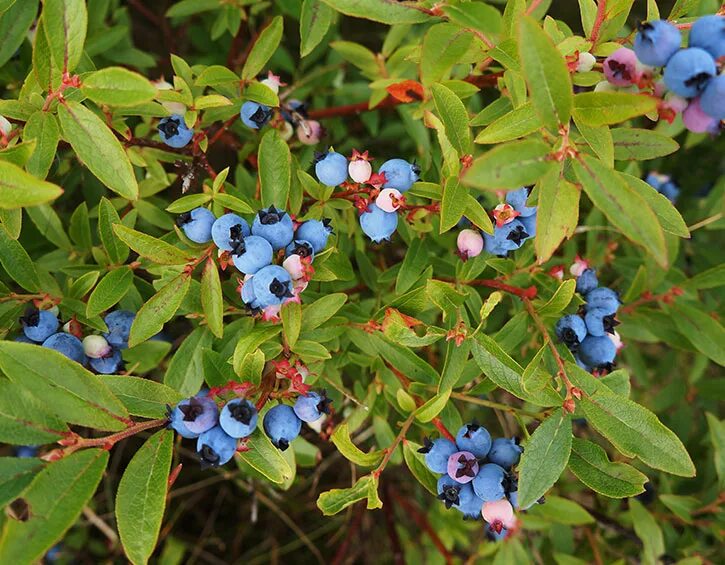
[96, 346]
[585, 62]
[389, 198]
[500, 512]
[309, 132]
[620, 67]
[293, 265]
[462, 466]
[360, 170]
[578, 266]
[470, 243]
[698, 121]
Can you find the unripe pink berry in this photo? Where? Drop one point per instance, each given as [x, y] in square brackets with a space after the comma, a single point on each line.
[698, 121]
[677, 104]
[309, 132]
[5, 126]
[293, 265]
[462, 466]
[273, 82]
[360, 171]
[620, 67]
[585, 63]
[96, 346]
[499, 511]
[388, 199]
[470, 243]
[578, 266]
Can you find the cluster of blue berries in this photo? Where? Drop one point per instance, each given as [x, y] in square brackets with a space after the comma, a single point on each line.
[252, 250]
[589, 333]
[477, 476]
[218, 433]
[664, 185]
[101, 352]
[515, 222]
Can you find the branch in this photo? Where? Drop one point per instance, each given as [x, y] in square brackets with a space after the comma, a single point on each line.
[523, 293]
[598, 21]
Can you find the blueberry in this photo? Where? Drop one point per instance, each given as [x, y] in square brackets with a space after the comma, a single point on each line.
[620, 68]
[656, 42]
[229, 229]
[252, 254]
[505, 452]
[454, 494]
[517, 199]
[24, 339]
[255, 115]
[197, 224]
[215, 447]
[599, 322]
[315, 232]
[488, 484]
[571, 330]
[708, 33]
[272, 285]
[238, 418]
[300, 247]
[437, 453]
[67, 344]
[495, 244]
[712, 100]
[311, 406]
[119, 327]
[275, 226]
[248, 296]
[603, 298]
[377, 224]
[510, 236]
[462, 466]
[529, 223]
[39, 325]
[197, 414]
[399, 174]
[670, 190]
[109, 364]
[597, 351]
[173, 131]
[474, 438]
[282, 425]
[587, 281]
[470, 506]
[26, 451]
[688, 71]
[331, 168]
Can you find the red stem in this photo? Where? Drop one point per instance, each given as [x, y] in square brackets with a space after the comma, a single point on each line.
[598, 21]
[529, 292]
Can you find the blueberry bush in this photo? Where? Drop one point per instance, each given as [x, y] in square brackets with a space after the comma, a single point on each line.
[315, 280]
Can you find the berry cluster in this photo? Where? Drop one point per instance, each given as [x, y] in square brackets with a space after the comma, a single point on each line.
[515, 223]
[589, 333]
[664, 185]
[690, 74]
[379, 204]
[218, 432]
[477, 477]
[101, 352]
[266, 286]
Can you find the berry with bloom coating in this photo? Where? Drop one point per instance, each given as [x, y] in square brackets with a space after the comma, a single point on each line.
[470, 243]
[697, 121]
[67, 344]
[505, 452]
[272, 285]
[688, 71]
[316, 232]
[462, 466]
[282, 425]
[437, 453]
[656, 42]
[229, 229]
[488, 484]
[359, 168]
[39, 325]
[599, 322]
[119, 327]
[198, 414]
[708, 33]
[378, 224]
[96, 346]
[571, 330]
[388, 200]
[309, 132]
[529, 223]
[301, 248]
[311, 406]
[587, 281]
[247, 293]
[517, 199]
[5, 125]
[603, 298]
[453, 493]
[254, 115]
[620, 68]
[399, 174]
[197, 224]
[712, 100]
[238, 418]
[474, 438]
[251, 254]
[275, 226]
[215, 447]
[511, 236]
[586, 62]
[597, 351]
[173, 131]
[331, 168]
[108, 364]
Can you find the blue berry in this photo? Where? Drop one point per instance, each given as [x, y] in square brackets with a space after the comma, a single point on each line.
[252, 254]
[300, 247]
[581, 364]
[282, 425]
[505, 452]
[517, 199]
[708, 33]
[198, 414]
[594, 319]
[529, 223]
[108, 365]
[26, 451]
[571, 330]
[275, 226]
[238, 418]
[508, 237]
[310, 407]
[229, 229]
[215, 447]
[488, 484]
[173, 131]
[587, 281]
[437, 453]
[119, 327]
[24, 339]
[315, 232]
[378, 224]
[399, 174]
[255, 115]
[197, 224]
[67, 344]
[470, 506]
[712, 100]
[669, 189]
[331, 168]
[656, 42]
[248, 296]
[494, 244]
[462, 466]
[272, 285]
[597, 351]
[474, 438]
[603, 298]
[688, 71]
[454, 494]
[39, 325]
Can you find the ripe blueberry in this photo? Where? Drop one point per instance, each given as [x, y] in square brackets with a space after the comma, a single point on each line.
[689, 71]
[173, 131]
[229, 229]
[215, 447]
[708, 33]
[597, 351]
[67, 344]
[238, 418]
[316, 232]
[474, 438]
[378, 224]
[505, 452]
[108, 364]
[399, 174]
[656, 42]
[571, 330]
[255, 115]
[275, 226]
[197, 224]
[488, 483]
[119, 327]
[311, 406]
[330, 168]
[282, 425]
[603, 298]
[39, 325]
[437, 453]
[252, 254]
[272, 285]
[587, 281]
[712, 100]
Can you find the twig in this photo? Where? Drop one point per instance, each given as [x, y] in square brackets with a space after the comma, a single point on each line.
[390, 450]
[107, 530]
[523, 293]
[598, 21]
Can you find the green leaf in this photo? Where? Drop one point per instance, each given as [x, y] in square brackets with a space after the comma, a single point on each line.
[263, 48]
[275, 169]
[444, 45]
[18, 264]
[19, 189]
[702, 330]
[647, 529]
[454, 116]
[116, 86]
[65, 23]
[261, 93]
[511, 165]
[98, 148]
[310, 351]
[599, 138]
[481, 17]
[24, 420]
[560, 300]
[604, 108]
[107, 217]
[49, 225]
[15, 22]
[43, 128]
[561, 511]
[265, 458]
[591, 466]
[668, 216]
[148, 246]
[15, 475]
[478, 215]
[188, 202]
[546, 74]
[351, 452]
[18, 154]
[215, 75]
[212, 300]
[217, 372]
[291, 314]
[233, 203]
[625, 208]
[315, 20]
[454, 203]
[337, 499]
[56, 498]
[545, 457]
[159, 309]
[717, 438]
[641, 144]
[385, 12]
[417, 467]
[405, 360]
[142, 397]
[112, 288]
[517, 123]
[631, 428]
[141, 497]
[426, 412]
[322, 309]
[250, 341]
[415, 261]
[557, 213]
[185, 369]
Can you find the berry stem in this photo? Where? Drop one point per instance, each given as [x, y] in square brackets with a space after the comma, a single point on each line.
[647, 297]
[523, 293]
[391, 449]
[598, 21]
